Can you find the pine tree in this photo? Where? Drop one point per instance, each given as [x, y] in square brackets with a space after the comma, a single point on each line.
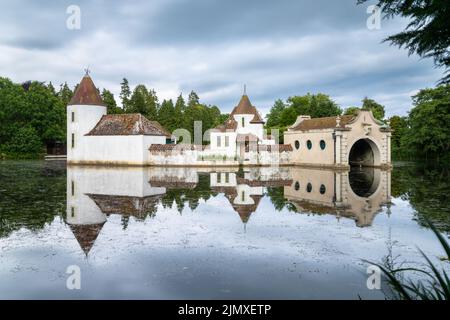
[180, 108]
[193, 99]
[125, 93]
[152, 105]
[111, 105]
[138, 100]
[65, 94]
[166, 115]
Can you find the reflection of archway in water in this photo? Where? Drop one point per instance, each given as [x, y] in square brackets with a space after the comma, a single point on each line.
[364, 152]
[364, 181]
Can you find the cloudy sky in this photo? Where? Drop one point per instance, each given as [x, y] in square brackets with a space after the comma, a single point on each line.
[279, 48]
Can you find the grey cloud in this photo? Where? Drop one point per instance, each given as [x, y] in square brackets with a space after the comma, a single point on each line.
[278, 48]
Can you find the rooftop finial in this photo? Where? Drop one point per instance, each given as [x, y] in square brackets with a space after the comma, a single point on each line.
[87, 71]
[245, 89]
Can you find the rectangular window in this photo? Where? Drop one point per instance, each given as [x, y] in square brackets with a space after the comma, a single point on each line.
[227, 141]
[73, 140]
[243, 196]
[219, 177]
[73, 188]
[243, 122]
[73, 116]
[72, 212]
[227, 177]
[219, 141]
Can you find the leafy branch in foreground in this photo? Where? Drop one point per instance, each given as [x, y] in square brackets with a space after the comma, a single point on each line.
[435, 286]
[428, 30]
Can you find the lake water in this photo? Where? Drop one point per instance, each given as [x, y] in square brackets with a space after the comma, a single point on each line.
[210, 233]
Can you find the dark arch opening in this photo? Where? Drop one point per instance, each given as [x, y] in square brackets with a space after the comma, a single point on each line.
[361, 154]
[363, 181]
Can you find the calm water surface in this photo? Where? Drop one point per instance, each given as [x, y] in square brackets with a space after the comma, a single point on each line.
[179, 233]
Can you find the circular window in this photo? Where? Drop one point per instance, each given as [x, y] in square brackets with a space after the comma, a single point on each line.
[322, 189]
[322, 144]
[309, 187]
[297, 186]
[309, 144]
[297, 144]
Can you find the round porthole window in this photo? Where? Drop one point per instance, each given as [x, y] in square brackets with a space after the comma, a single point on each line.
[309, 187]
[297, 144]
[297, 186]
[322, 144]
[309, 144]
[322, 189]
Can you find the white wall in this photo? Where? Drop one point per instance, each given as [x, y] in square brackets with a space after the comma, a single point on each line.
[228, 151]
[118, 150]
[86, 117]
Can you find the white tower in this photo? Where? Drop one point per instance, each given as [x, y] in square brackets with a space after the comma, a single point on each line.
[84, 111]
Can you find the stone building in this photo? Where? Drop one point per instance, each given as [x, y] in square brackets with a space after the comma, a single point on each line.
[340, 141]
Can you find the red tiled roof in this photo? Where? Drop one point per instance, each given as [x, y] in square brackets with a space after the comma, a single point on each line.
[127, 125]
[245, 107]
[323, 123]
[86, 235]
[229, 125]
[86, 94]
[126, 205]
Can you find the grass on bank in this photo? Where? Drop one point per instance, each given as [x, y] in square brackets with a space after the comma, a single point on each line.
[436, 284]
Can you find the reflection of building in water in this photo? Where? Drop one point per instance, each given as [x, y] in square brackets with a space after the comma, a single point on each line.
[93, 193]
[357, 194]
[245, 189]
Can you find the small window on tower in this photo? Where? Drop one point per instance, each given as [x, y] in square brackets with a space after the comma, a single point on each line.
[73, 116]
[219, 141]
[243, 122]
[73, 140]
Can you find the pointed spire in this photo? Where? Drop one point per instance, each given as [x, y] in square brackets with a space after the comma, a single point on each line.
[245, 89]
[86, 93]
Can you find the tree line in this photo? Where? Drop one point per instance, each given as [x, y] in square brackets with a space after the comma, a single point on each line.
[33, 114]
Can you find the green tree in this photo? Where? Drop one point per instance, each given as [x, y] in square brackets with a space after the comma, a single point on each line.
[399, 126]
[288, 117]
[351, 111]
[429, 133]
[110, 102]
[315, 105]
[65, 94]
[125, 93]
[180, 108]
[193, 99]
[273, 117]
[152, 105]
[376, 108]
[166, 115]
[427, 32]
[25, 142]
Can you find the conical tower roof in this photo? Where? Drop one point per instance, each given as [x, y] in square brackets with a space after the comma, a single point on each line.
[86, 235]
[86, 93]
[245, 107]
